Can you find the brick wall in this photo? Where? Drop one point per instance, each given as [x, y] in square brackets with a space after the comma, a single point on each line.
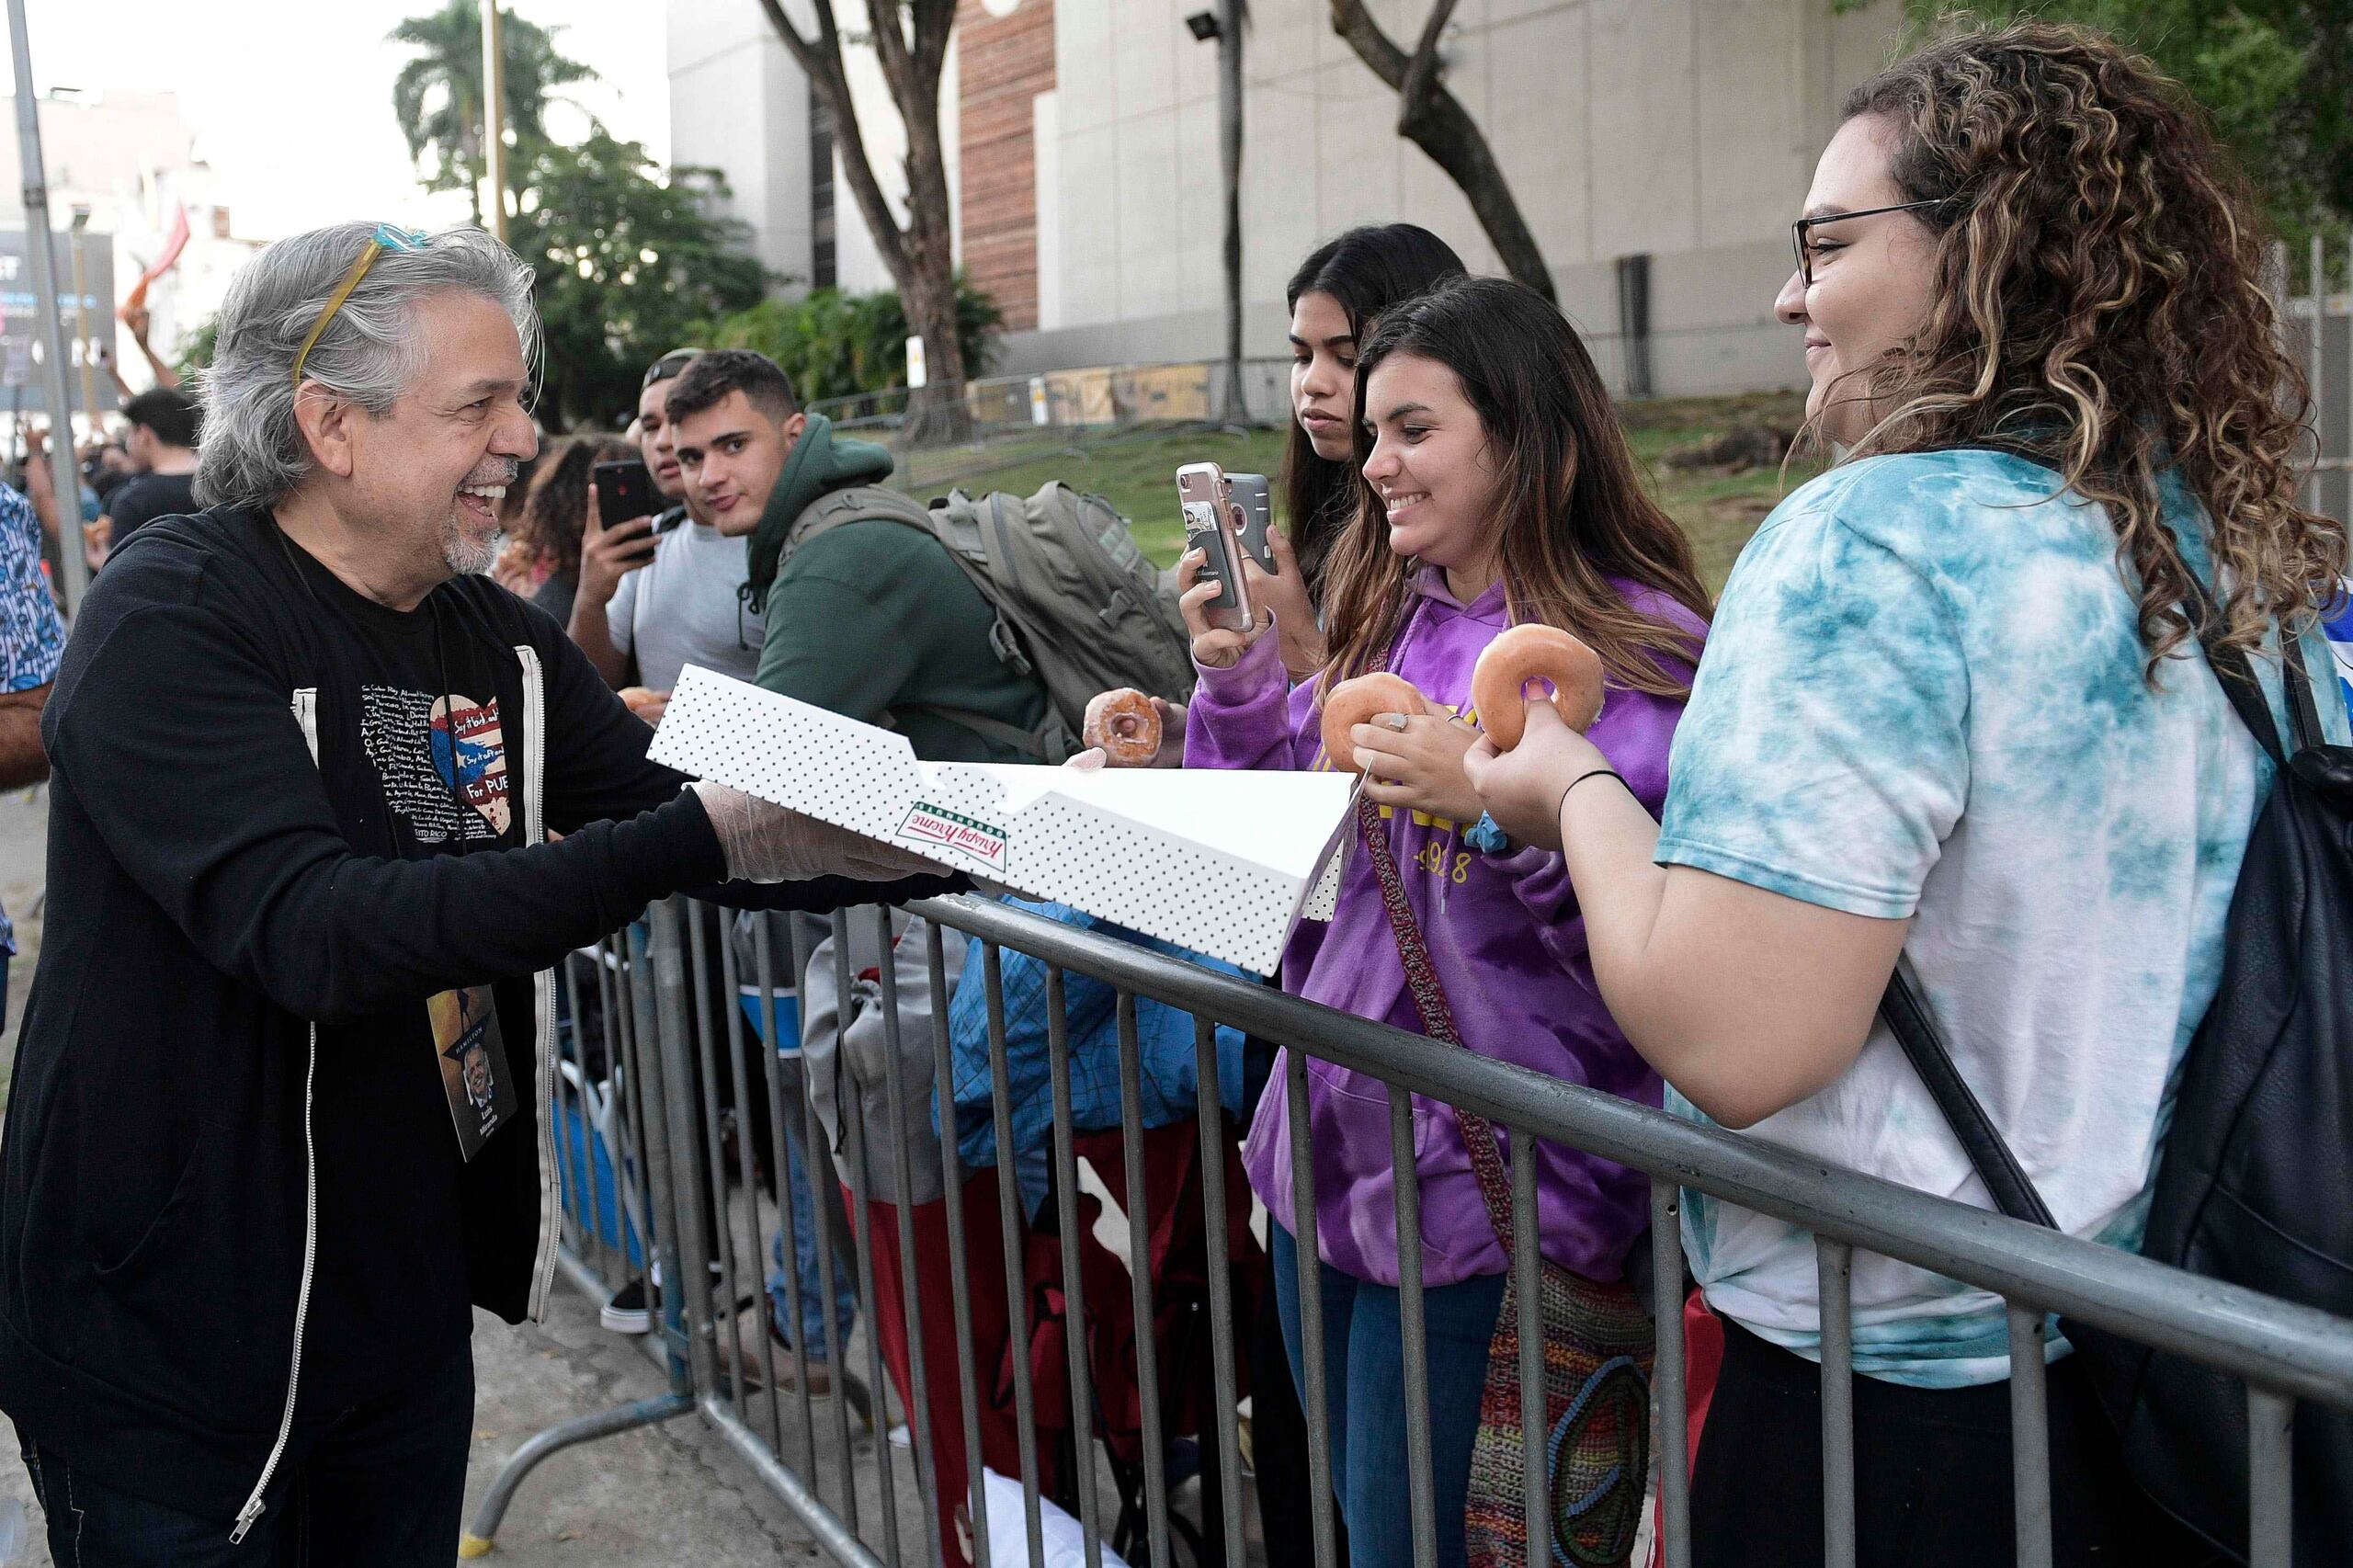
[1002, 63]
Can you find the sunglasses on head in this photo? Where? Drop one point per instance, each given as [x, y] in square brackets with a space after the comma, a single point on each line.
[385, 238]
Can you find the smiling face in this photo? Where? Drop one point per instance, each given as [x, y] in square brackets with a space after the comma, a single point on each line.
[653, 441]
[1433, 466]
[1874, 278]
[427, 476]
[730, 455]
[1323, 374]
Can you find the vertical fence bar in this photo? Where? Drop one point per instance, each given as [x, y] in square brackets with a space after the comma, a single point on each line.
[1421, 1488]
[1527, 1284]
[1308, 1237]
[2316, 366]
[959, 1286]
[689, 1283]
[1012, 1227]
[1667, 1375]
[593, 1137]
[714, 1173]
[1834, 1266]
[2270, 1479]
[643, 1043]
[1140, 1228]
[788, 1228]
[748, 1182]
[823, 1202]
[2030, 1437]
[1082, 1388]
[1229, 1419]
[910, 1293]
[850, 1098]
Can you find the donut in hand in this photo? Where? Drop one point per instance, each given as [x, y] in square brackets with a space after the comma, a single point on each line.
[1520, 658]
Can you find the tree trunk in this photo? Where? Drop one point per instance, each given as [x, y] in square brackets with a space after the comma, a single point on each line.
[911, 41]
[1433, 119]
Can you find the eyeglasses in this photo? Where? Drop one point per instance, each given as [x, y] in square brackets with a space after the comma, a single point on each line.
[385, 238]
[1799, 230]
[667, 365]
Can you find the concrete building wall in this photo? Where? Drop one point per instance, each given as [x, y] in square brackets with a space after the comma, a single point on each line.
[1682, 130]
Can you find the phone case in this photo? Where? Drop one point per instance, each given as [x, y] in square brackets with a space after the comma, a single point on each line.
[1255, 497]
[1212, 525]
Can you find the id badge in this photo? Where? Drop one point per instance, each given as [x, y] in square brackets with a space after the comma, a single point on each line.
[473, 1055]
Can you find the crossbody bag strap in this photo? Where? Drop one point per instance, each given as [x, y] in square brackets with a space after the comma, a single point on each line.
[1437, 1016]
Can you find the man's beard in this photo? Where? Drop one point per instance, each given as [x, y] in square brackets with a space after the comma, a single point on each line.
[465, 554]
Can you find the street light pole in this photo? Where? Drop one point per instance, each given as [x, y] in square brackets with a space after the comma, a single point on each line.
[1224, 27]
[44, 262]
[494, 115]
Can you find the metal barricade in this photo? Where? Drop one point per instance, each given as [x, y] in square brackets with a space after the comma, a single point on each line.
[867, 1500]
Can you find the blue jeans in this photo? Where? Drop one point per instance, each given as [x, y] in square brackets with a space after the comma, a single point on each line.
[1364, 1385]
[799, 1193]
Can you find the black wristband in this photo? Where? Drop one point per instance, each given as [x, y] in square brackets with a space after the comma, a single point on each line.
[1595, 773]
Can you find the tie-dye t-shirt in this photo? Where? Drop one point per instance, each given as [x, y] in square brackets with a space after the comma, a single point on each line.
[2338, 625]
[1922, 697]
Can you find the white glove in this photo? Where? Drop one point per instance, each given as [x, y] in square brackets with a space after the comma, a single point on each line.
[766, 842]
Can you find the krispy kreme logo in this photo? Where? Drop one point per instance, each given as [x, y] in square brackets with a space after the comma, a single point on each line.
[936, 825]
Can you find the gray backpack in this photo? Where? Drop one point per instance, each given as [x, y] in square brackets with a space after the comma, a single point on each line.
[1078, 605]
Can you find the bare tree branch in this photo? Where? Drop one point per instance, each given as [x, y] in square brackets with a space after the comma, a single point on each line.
[821, 60]
[1433, 119]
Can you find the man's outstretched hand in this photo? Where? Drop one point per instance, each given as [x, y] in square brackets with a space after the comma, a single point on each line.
[766, 842]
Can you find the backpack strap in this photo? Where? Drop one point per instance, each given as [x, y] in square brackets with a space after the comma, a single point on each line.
[2237, 676]
[2012, 1190]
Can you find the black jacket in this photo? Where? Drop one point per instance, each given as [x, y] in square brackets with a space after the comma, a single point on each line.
[231, 986]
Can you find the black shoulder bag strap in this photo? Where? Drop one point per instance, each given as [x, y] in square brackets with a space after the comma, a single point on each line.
[1907, 1016]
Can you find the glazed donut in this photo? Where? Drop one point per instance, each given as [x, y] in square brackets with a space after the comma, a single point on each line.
[1125, 725]
[1354, 702]
[1499, 681]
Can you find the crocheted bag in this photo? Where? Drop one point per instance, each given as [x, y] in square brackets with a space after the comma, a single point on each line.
[1597, 1344]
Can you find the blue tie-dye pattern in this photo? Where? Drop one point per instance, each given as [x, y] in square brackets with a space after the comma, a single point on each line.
[2338, 626]
[1923, 699]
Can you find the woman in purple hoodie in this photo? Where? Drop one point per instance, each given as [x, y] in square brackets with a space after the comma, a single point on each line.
[1497, 489]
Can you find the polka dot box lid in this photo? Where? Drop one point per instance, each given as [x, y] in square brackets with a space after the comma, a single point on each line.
[1222, 863]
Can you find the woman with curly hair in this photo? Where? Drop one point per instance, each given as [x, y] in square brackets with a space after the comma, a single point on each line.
[1954, 709]
[555, 513]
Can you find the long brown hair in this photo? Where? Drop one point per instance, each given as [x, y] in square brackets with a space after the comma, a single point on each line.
[2099, 309]
[1570, 507]
[1367, 270]
[555, 513]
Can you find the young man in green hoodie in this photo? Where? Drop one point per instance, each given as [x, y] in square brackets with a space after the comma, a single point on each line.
[872, 618]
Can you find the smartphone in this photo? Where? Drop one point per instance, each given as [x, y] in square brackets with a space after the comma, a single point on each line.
[625, 489]
[1255, 497]
[1213, 525]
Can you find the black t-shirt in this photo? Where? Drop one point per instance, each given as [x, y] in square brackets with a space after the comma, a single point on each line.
[143, 497]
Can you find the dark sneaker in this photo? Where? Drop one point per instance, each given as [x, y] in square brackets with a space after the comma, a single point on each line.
[627, 1312]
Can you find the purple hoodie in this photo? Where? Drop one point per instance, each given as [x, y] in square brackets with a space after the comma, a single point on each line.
[1508, 945]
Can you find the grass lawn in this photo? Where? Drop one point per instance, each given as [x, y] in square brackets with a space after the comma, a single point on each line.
[1136, 468]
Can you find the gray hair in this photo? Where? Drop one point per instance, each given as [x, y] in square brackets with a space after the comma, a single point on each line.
[254, 454]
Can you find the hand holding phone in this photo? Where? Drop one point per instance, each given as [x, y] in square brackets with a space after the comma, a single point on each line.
[1213, 525]
[609, 554]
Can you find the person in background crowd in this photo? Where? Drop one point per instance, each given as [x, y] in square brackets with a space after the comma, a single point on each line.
[874, 619]
[32, 639]
[1497, 488]
[556, 514]
[660, 593]
[242, 1236]
[165, 424]
[137, 320]
[1954, 710]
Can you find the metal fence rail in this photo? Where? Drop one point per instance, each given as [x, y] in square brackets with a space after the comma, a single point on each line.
[868, 1501]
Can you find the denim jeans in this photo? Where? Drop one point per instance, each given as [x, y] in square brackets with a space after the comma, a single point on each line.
[1364, 1384]
[377, 1486]
[800, 1194]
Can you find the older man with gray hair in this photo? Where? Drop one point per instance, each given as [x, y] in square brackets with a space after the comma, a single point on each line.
[279, 1118]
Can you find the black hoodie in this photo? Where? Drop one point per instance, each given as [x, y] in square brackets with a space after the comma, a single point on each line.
[214, 893]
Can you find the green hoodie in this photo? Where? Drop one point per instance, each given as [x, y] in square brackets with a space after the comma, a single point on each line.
[875, 619]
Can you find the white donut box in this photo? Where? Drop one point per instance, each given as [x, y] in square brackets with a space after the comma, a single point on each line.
[1221, 863]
